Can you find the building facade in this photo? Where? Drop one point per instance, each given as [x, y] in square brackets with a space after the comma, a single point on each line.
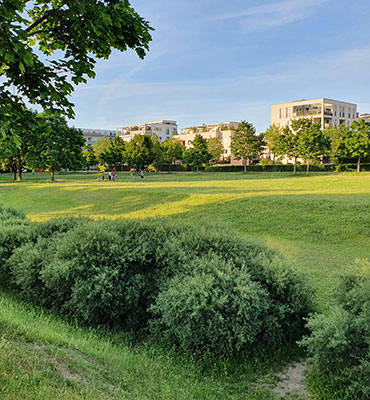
[223, 130]
[163, 129]
[326, 111]
[92, 135]
[365, 117]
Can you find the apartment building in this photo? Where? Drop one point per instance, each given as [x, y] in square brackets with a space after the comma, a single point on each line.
[92, 135]
[365, 117]
[163, 129]
[223, 130]
[326, 111]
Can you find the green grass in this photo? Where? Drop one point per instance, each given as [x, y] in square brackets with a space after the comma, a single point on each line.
[43, 357]
[320, 223]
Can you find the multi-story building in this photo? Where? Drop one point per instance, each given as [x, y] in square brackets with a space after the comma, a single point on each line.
[326, 111]
[365, 117]
[163, 129]
[223, 130]
[92, 135]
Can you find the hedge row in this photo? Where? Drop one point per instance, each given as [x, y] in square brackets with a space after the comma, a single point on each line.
[287, 168]
[192, 288]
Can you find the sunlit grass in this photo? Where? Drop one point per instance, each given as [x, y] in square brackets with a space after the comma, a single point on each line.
[320, 223]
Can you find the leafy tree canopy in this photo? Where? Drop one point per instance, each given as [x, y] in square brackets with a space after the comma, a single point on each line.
[57, 146]
[114, 153]
[89, 157]
[245, 144]
[47, 47]
[101, 147]
[197, 155]
[215, 148]
[171, 151]
[18, 137]
[313, 143]
[140, 151]
[357, 141]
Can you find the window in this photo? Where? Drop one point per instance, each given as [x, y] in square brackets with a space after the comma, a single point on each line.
[167, 131]
[281, 112]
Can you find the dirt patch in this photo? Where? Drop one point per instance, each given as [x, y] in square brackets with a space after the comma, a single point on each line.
[292, 383]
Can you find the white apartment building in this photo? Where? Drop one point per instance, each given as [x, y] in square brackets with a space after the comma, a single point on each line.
[326, 111]
[92, 135]
[163, 129]
[223, 130]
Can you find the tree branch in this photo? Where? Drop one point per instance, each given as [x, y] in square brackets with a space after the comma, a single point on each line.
[44, 17]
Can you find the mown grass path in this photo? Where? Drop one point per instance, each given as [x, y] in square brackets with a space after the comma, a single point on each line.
[320, 223]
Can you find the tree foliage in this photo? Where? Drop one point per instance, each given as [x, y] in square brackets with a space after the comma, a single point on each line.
[100, 147]
[215, 148]
[198, 154]
[357, 141]
[313, 143]
[114, 153]
[171, 151]
[49, 47]
[57, 146]
[89, 156]
[141, 151]
[245, 144]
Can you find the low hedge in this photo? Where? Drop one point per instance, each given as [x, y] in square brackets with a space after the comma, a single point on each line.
[287, 168]
[193, 288]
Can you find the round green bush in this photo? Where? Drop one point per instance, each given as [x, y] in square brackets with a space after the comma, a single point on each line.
[339, 343]
[215, 309]
[192, 287]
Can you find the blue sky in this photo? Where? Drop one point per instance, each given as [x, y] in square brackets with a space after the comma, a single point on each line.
[217, 60]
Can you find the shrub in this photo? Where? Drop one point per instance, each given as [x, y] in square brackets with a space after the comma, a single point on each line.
[215, 309]
[14, 231]
[229, 293]
[26, 261]
[222, 308]
[339, 344]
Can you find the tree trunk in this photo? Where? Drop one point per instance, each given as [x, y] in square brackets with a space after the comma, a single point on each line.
[358, 164]
[198, 169]
[19, 173]
[169, 167]
[52, 174]
[308, 167]
[295, 166]
[245, 165]
[14, 174]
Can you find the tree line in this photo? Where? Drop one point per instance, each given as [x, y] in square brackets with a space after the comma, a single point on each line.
[45, 141]
[305, 139]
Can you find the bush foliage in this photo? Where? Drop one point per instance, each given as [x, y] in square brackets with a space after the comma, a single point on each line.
[339, 344]
[193, 288]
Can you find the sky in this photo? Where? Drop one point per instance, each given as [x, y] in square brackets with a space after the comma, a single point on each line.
[214, 60]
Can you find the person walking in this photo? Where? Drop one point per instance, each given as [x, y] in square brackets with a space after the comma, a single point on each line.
[110, 176]
[103, 175]
[142, 174]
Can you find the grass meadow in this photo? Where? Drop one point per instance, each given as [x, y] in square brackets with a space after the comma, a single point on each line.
[320, 223]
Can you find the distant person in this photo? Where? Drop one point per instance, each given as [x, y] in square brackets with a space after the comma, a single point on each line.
[114, 176]
[132, 174]
[103, 175]
[142, 174]
[110, 176]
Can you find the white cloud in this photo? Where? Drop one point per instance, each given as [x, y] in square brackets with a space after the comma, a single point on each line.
[272, 14]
